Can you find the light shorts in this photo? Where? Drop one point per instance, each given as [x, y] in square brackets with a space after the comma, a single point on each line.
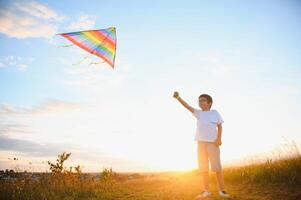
[208, 151]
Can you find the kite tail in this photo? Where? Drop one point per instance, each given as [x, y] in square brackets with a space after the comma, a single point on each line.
[67, 45]
[85, 58]
[96, 63]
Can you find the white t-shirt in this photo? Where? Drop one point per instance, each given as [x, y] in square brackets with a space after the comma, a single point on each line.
[207, 121]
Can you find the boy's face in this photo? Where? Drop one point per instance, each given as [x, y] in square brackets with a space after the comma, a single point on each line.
[203, 103]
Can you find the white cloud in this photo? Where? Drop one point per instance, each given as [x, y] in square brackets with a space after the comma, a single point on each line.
[211, 57]
[55, 126]
[28, 20]
[84, 22]
[22, 67]
[217, 62]
[20, 63]
[39, 10]
[15, 120]
[48, 106]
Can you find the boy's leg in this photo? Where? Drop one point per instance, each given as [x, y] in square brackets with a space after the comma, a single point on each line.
[205, 179]
[220, 180]
[203, 163]
[215, 163]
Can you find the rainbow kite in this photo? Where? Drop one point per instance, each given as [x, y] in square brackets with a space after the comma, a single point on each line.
[101, 43]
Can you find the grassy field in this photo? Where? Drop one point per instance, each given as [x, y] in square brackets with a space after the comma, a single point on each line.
[279, 179]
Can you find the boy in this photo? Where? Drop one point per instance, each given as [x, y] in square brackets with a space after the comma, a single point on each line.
[209, 137]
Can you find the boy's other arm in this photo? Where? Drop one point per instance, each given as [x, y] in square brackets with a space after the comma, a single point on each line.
[218, 140]
[184, 103]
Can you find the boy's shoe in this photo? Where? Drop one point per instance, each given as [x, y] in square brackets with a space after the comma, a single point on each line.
[203, 194]
[223, 193]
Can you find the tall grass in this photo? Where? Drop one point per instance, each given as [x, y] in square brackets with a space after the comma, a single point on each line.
[59, 184]
[283, 170]
[109, 185]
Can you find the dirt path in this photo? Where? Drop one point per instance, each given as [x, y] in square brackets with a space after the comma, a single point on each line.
[188, 188]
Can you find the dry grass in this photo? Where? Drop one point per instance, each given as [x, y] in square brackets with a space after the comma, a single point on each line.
[278, 179]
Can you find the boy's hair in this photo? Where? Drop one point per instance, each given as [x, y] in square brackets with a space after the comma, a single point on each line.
[208, 98]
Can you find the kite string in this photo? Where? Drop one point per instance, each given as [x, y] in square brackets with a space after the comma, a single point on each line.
[70, 45]
[86, 57]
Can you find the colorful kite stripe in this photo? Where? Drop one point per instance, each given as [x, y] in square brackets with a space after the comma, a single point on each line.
[101, 43]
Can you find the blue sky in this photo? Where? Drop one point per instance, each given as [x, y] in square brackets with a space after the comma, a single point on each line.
[245, 54]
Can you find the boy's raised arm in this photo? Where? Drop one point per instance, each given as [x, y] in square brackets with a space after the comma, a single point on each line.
[186, 105]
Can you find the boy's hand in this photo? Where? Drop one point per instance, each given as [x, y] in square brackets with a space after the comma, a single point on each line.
[218, 142]
[186, 105]
[176, 95]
